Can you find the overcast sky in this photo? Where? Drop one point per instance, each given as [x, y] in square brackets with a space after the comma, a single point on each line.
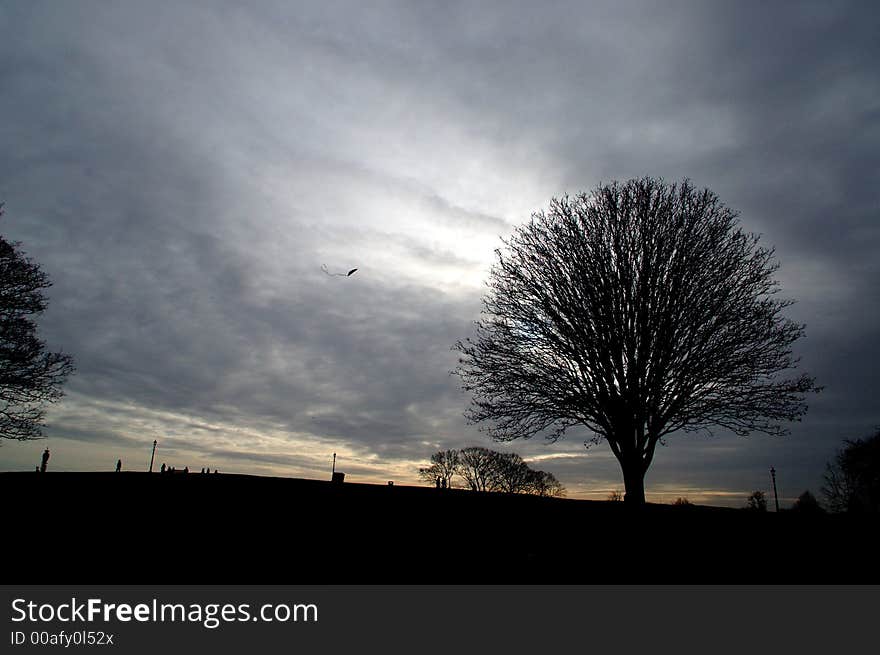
[182, 170]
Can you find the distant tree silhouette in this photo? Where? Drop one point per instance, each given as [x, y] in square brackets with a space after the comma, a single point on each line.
[489, 470]
[615, 497]
[682, 502]
[477, 467]
[807, 504]
[852, 481]
[542, 483]
[444, 465]
[757, 502]
[635, 311]
[510, 473]
[30, 377]
[513, 475]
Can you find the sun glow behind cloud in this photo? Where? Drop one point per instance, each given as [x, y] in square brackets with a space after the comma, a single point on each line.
[183, 171]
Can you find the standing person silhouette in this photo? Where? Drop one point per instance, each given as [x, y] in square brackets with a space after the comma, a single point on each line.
[118, 465]
[45, 461]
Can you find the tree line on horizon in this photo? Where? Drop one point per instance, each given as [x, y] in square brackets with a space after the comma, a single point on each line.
[482, 469]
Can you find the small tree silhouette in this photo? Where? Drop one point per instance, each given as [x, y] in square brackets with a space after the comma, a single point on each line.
[757, 502]
[542, 483]
[444, 464]
[511, 474]
[852, 481]
[477, 467]
[807, 504]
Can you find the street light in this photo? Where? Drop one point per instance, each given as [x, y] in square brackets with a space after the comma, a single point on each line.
[775, 495]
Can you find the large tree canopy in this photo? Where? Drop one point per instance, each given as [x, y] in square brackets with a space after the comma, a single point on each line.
[30, 377]
[636, 310]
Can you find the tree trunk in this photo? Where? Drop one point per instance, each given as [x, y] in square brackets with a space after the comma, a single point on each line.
[634, 482]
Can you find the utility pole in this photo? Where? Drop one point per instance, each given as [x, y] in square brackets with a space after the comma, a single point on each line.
[775, 495]
[153, 456]
[334, 464]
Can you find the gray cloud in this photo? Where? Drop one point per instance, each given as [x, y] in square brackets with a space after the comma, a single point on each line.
[182, 171]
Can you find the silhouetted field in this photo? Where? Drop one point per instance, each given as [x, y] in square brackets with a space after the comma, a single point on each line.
[201, 529]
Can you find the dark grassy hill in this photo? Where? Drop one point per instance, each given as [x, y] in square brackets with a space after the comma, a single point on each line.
[203, 529]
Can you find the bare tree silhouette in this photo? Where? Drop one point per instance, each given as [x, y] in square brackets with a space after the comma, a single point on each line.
[477, 467]
[30, 377]
[757, 502]
[635, 311]
[511, 474]
[444, 465]
[852, 481]
[488, 470]
[542, 483]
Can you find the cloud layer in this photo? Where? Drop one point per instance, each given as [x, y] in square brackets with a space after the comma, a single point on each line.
[183, 170]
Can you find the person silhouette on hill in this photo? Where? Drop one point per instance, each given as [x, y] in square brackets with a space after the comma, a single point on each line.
[186, 469]
[118, 465]
[162, 470]
[45, 461]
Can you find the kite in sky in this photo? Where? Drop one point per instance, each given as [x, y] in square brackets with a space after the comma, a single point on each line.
[324, 268]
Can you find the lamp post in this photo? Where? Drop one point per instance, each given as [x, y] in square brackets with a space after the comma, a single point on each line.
[775, 495]
[153, 456]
